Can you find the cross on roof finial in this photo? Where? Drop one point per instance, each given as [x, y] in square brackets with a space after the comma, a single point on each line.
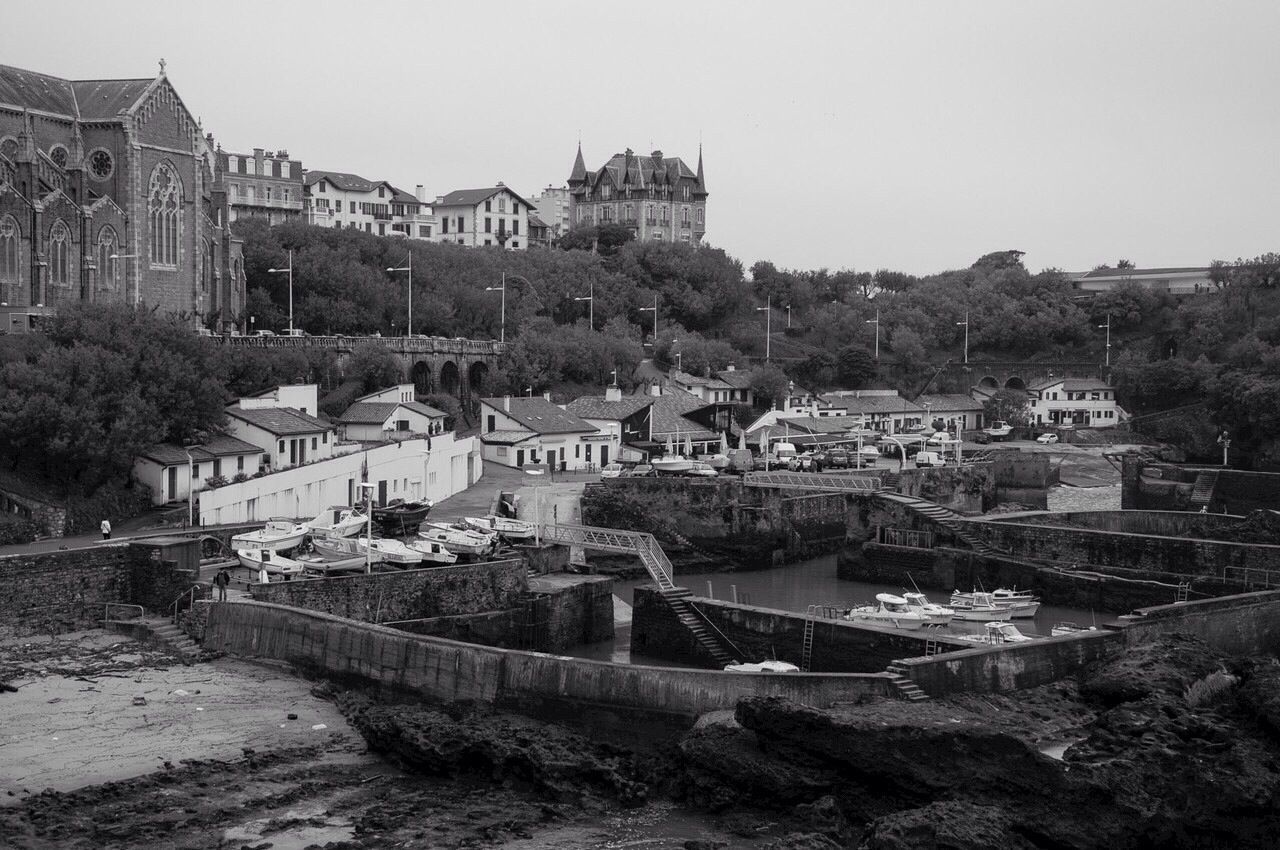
[162, 66]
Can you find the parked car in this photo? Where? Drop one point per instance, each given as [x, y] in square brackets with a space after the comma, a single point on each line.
[869, 454]
[641, 470]
[702, 470]
[836, 459]
[924, 459]
[613, 470]
[1047, 439]
[769, 461]
[265, 333]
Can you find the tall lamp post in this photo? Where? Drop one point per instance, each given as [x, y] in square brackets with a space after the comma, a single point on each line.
[136, 293]
[876, 322]
[966, 335]
[788, 317]
[367, 487]
[408, 267]
[288, 271]
[768, 325]
[654, 310]
[590, 298]
[191, 484]
[503, 290]
[1108, 327]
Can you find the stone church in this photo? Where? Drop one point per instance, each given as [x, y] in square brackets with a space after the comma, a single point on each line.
[108, 193]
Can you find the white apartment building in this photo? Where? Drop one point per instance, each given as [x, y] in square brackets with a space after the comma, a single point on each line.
[1082, 402]
[552, 206]
[476, 217]
[338, 199]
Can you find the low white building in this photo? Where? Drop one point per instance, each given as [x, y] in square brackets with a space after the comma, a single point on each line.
[1177, 281]
[168, 469]
[477, 217]
[390, 414]
[279, 422]
[1081, 402]
[520, 431]
[339, 199]
[623, 420]
[402, 470]
[950, 410]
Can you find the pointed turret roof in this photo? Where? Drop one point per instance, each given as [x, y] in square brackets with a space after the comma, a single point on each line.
[702, 183]
[579, 172]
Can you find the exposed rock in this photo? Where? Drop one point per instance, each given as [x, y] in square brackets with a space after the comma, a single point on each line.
[804, 841]
[947, 825]
[1260, 694]
[1164, 667]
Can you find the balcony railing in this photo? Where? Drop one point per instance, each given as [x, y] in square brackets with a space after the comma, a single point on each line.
[271, 203]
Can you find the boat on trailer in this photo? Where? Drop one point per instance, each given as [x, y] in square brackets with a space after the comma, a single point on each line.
[317, 564]
[459, 539]
[338, 521]
[277, 535]
[511, 529]
[269, 561]
[401, 517]
[432, 552]
[671, 464]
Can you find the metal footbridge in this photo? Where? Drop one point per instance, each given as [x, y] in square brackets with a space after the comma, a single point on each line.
[644, 546]
[815, 481]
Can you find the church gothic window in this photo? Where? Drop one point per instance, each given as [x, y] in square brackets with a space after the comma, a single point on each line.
[164, 215]
[8, 257]
[108, 269]
[9, 147]
[60, 254]
[58, 154]
[100, 164]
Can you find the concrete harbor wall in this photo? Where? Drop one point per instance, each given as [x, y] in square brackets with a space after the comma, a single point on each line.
[441, 670]
[1156, 485]
[1166, 523]
[1243, 624]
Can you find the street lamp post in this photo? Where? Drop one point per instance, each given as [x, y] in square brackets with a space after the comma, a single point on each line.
[654, 310]
[367, 487]
[876, 322]
[768, 325]
[591, 305]
[136, 293]
[788, 317]
[966, 335]
[502, 337]
[191, 484]
[408, 267]
[288, 271]
[1108, 327]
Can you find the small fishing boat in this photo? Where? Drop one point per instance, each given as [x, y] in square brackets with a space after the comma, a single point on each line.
[1060, 629]
[401, 517]
[977, 607]
[260, 560]
[459, 539]
[318, 565]
[889, 610]
[432, 552]
[341, 548]
[768, 666]
[338, 521]
[1022, 603]
[999, 633]
[937, 615]
[671, 464]
[277, 535]
[392, 551]
[512, 529]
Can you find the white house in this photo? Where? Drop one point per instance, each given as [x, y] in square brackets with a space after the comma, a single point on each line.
[951, 409]
[401, 470]
[279, 423]
[1082, 402]
[624, 420]
[338, 199]
[517, 431]
[725, 387]
[389, 414]
[1177, 281]
[491, 216]
[168, 469]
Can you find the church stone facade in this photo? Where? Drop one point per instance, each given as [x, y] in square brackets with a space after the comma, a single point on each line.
[111, 193]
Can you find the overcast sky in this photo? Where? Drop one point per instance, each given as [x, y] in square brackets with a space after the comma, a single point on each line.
[913, 136]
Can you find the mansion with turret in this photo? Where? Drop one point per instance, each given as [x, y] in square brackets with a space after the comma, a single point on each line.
[658, 197]
[110, 192]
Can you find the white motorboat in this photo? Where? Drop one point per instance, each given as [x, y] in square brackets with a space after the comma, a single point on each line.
[999, 633]
[716, 461]
[770, 666]
[1022, 603]
[277, 535]
[977, 607]
[889, 610]
[702, 470]
[671, 464]
[1060, 629]
[260, 560]
[432, 552]
[316, 564]
[339, 548]
[512, 529]
[459, 539]
[338, 521]
[937, 615]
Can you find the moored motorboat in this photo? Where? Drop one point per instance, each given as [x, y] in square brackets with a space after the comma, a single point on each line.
[977, 607]
[670, 464]
[459, 539]
[338, 521]
[268, 561]
[432, 551]
[1000, 632]
[937, 615]
[767, 666]
[1022, 603]
[511, 529]
[402, 517]
[277, 535]
[889, 610]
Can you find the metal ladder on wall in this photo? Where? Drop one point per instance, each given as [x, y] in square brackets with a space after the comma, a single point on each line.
[1183, 593]
[828, 612]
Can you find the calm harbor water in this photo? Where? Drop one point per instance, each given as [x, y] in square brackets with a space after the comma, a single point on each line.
[794, 588]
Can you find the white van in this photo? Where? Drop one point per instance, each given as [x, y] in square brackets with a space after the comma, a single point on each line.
[784, 452]
[929, 459]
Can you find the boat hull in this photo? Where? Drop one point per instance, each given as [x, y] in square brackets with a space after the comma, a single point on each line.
[271, 541]
[326, 566]
[896, 621]
[508, 528]
[252, 559]
[339, 548]
[671, 466]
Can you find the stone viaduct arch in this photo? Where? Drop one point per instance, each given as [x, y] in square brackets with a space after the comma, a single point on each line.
[993, 375]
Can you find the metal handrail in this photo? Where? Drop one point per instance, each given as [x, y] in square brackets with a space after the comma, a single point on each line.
[191, 594]
[702, 615]
[107, 606]
[849, 482]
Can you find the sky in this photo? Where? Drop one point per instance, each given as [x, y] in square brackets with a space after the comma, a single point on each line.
[914, 136]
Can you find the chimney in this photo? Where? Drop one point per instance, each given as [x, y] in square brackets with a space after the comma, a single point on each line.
[501, 184]
[729, 368]
[613, 393]
[506, 404]
[547, 395]
[420, 192]
[257, 153]
[655, 390]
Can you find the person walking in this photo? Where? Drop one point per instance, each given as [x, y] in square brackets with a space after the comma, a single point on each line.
[220, 581]
[106, 529]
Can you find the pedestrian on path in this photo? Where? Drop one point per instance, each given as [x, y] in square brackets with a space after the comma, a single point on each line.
[106, 529]
[220, 581]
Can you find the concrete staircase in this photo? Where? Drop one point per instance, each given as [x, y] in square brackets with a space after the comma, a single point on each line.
[1202, 492]
[944, 517]
[677, 599]
[889, 481]
[902, 684]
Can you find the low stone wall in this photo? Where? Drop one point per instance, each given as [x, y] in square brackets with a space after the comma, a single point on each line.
[64, 588]
[405, 594]
[1010, 667]
[838, 645]
[1161, 523]
[1243, 624]
[1167, 486]
[967, 489]
[442, 671]
[578, 610]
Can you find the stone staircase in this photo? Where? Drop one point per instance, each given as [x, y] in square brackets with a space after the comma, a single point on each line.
[890, 480]
[944, 517]
[158, 630]
[1202, 492]
[677, 598]
[902, 684]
